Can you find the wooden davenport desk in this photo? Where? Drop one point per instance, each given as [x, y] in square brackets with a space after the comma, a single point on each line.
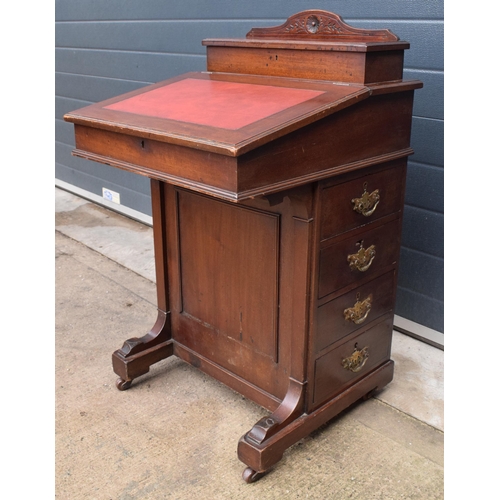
[277, 182]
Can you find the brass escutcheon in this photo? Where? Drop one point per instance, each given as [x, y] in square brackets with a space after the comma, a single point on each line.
[359, 312]
[367, 204]
[362, 259]
[356, 360]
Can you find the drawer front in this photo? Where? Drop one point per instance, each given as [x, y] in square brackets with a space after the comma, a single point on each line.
[360, 201]
[358, 257]
[345, 314]
[352, 360]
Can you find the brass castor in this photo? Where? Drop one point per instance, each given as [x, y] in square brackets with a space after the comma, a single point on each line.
[250, 475]
[123, 385]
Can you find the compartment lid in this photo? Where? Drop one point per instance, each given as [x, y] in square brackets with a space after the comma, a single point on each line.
[223, 113]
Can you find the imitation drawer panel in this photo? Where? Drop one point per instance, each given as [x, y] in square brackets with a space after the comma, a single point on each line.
[357, 257]
[345, 314]
[351, 361]
[361, 201]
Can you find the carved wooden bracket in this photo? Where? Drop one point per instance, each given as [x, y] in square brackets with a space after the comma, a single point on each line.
[321, 24]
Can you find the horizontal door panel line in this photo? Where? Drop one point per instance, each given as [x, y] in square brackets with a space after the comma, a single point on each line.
[426, 118]
[209, 20]
[102, 77]
[427, 165]
[406, 289]
[420, 252]
[128, 51]
[420, 209]
[73, 99]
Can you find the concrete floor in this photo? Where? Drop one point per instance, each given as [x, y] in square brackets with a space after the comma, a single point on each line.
[174, 433]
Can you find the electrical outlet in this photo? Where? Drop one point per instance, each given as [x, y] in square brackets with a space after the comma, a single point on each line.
[109, 195]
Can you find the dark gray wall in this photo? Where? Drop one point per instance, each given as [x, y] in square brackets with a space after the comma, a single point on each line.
[106, 48]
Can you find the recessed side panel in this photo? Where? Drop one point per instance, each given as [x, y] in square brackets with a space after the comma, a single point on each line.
[229, 263]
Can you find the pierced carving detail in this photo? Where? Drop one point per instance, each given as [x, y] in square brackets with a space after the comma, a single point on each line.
[313, 25]
[321, 24]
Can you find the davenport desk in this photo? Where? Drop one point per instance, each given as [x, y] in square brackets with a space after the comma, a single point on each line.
[277, 184]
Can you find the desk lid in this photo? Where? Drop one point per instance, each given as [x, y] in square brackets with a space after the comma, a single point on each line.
[224, 113]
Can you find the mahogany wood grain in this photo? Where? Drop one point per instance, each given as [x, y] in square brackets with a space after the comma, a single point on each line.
[375, 130]
[255, 165]
[338, 214]
[326, 98]
[331, 377]
[261, 457]
[328, 64]
[316, 25]
[331, 323]
[313, 44]
[138, 354]
[334, 269]
[237, 296]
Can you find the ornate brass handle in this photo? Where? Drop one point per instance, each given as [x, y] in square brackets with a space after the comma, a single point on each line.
[368, 202]
[356, 360]
[359, 312]
[362, 259]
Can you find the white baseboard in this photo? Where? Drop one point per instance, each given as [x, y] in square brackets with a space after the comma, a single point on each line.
[421, 332]
[99, 200]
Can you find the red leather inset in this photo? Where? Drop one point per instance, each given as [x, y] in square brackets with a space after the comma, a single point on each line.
[227, 105]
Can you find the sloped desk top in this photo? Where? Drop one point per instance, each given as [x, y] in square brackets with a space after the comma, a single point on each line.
[222, 113]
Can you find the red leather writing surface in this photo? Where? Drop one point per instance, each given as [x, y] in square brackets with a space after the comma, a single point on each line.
[227, 105]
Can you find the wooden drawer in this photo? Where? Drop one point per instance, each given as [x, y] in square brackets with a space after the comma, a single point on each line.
[361, 306]
[337, 262]
[337, 205]
[366, 351]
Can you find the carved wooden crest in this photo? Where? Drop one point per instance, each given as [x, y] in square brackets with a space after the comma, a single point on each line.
[320, 24]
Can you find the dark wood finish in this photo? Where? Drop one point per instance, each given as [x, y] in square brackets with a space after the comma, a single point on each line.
[315, 45]
[277, 208]
[335, 271]
[332, 378]
[138, 354]
[328, 63]
[313, 25]
[325, 99]
[338, 214]
[331, 322]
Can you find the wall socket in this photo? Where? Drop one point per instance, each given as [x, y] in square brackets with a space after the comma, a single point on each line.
[109, 195]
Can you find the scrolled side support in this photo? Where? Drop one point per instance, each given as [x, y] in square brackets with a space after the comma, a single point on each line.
[138, 354]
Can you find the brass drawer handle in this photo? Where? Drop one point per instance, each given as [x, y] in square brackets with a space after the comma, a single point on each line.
[362, 259]
[367, 204]
[356, 360]
[359, 312]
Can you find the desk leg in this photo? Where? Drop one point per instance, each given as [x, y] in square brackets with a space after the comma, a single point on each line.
[261, 454]
[138, 354]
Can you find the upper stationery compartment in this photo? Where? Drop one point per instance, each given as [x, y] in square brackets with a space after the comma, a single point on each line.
[312, 44]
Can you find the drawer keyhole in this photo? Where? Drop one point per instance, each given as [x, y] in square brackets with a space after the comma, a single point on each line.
[142, 144]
